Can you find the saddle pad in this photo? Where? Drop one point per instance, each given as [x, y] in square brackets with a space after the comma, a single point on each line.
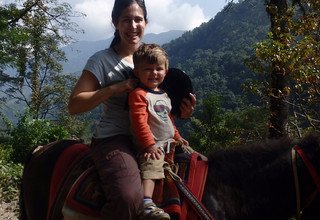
[86, 195]
[62, 169]
[198, 169]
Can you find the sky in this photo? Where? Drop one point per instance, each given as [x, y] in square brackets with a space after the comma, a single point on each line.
[163, 15]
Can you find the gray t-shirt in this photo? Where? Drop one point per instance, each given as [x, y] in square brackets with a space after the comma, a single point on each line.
[109, 69]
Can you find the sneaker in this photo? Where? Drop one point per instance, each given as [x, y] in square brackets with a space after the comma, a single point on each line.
[152, 212]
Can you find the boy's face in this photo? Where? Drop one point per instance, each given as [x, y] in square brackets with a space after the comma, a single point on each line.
[151, 75]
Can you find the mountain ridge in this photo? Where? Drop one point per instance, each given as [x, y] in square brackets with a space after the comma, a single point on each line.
[78, 53]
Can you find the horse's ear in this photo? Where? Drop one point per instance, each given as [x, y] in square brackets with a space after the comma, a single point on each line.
[178, 86]
[310, 141]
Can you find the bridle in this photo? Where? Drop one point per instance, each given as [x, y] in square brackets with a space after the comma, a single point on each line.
[313, 173]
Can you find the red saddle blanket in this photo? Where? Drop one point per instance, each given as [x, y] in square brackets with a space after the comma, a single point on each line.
[86, 195]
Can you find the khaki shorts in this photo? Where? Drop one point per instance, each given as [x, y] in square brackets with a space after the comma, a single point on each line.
[151, 169]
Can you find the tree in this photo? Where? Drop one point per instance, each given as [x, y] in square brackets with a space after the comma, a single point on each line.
[279, 16]
[215, 128]
[31, 36]
[290, 60]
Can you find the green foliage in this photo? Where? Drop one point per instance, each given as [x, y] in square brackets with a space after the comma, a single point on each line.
[10, 175]
[29, 133]
[10, 179]
[215, 127]
[5, 126]
[5, 152]
[79, 126]
[10, 36]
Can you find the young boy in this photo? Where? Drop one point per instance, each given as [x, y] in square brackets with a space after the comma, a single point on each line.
[151, 122]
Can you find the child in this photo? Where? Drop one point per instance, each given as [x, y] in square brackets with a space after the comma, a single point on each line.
[151, 122]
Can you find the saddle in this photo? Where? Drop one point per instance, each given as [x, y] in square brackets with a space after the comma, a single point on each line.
[76, 182]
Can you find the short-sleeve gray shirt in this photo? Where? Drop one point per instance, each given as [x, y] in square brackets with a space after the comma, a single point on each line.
[109, 68]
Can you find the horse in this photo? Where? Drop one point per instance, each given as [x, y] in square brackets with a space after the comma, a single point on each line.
[274, 179]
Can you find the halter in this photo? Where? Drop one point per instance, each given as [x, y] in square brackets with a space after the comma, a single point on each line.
[313, 174]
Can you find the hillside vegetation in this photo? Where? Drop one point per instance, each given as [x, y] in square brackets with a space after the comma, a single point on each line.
[213, 54]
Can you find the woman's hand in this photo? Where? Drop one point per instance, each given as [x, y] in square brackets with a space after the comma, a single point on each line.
[125, 86]
[187, 106]
[87, 93]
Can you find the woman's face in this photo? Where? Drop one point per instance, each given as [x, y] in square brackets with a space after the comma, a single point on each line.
[131, 25]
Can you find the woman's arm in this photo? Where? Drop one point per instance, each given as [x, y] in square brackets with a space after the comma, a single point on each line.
[87, 93]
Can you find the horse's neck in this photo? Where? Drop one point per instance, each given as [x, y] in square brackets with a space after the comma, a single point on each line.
[257, 180]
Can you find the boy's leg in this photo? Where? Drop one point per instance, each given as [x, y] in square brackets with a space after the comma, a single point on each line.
[120, 177]
[148, 188]
[150, 171]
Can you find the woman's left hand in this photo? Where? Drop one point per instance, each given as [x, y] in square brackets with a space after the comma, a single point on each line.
[187, 106]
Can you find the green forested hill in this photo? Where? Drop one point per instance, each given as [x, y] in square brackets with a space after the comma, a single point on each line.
[214, 53]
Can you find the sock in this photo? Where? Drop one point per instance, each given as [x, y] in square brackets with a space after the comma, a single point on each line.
[147, 200]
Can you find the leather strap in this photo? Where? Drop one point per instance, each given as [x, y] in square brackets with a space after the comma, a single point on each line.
[310, 167]
[313, 174]
[203, 213]
[296, 182]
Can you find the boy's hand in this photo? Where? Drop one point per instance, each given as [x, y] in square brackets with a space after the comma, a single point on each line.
[181, 141]
[153, 152]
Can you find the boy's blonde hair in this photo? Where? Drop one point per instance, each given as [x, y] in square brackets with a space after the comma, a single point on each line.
[151, 53]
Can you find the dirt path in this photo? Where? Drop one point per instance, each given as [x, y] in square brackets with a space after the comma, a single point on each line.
[8, 211]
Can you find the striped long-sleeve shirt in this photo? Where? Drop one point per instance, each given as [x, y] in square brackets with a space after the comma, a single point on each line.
[150, 117]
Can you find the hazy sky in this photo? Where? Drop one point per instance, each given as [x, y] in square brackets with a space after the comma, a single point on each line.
[163, 15]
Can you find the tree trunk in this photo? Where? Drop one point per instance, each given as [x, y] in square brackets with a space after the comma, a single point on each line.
[278, 105]
[277, 10]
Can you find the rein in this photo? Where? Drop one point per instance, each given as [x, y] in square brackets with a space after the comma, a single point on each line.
[297, 150]
[197, 205]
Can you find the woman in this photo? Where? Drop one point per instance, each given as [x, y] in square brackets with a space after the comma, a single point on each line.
[105, 80]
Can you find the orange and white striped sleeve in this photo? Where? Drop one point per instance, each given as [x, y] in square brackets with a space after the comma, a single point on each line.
[176, 132]
[139, 118]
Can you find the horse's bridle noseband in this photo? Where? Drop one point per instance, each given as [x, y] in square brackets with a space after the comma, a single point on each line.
[297, 150]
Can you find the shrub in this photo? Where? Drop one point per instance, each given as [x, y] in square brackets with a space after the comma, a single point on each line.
[30, 133]
[10, 179]
[5, 152]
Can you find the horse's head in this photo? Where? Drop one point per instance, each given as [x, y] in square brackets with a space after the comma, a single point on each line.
[307, 177]
[311, 146]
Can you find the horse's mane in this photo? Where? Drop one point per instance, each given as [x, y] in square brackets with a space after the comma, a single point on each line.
[250, 156]
[257, 154]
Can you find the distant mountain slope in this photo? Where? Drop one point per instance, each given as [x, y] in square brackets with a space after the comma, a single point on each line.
[240, 24]
[78, 53]
[214, 53]
[163, 38]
